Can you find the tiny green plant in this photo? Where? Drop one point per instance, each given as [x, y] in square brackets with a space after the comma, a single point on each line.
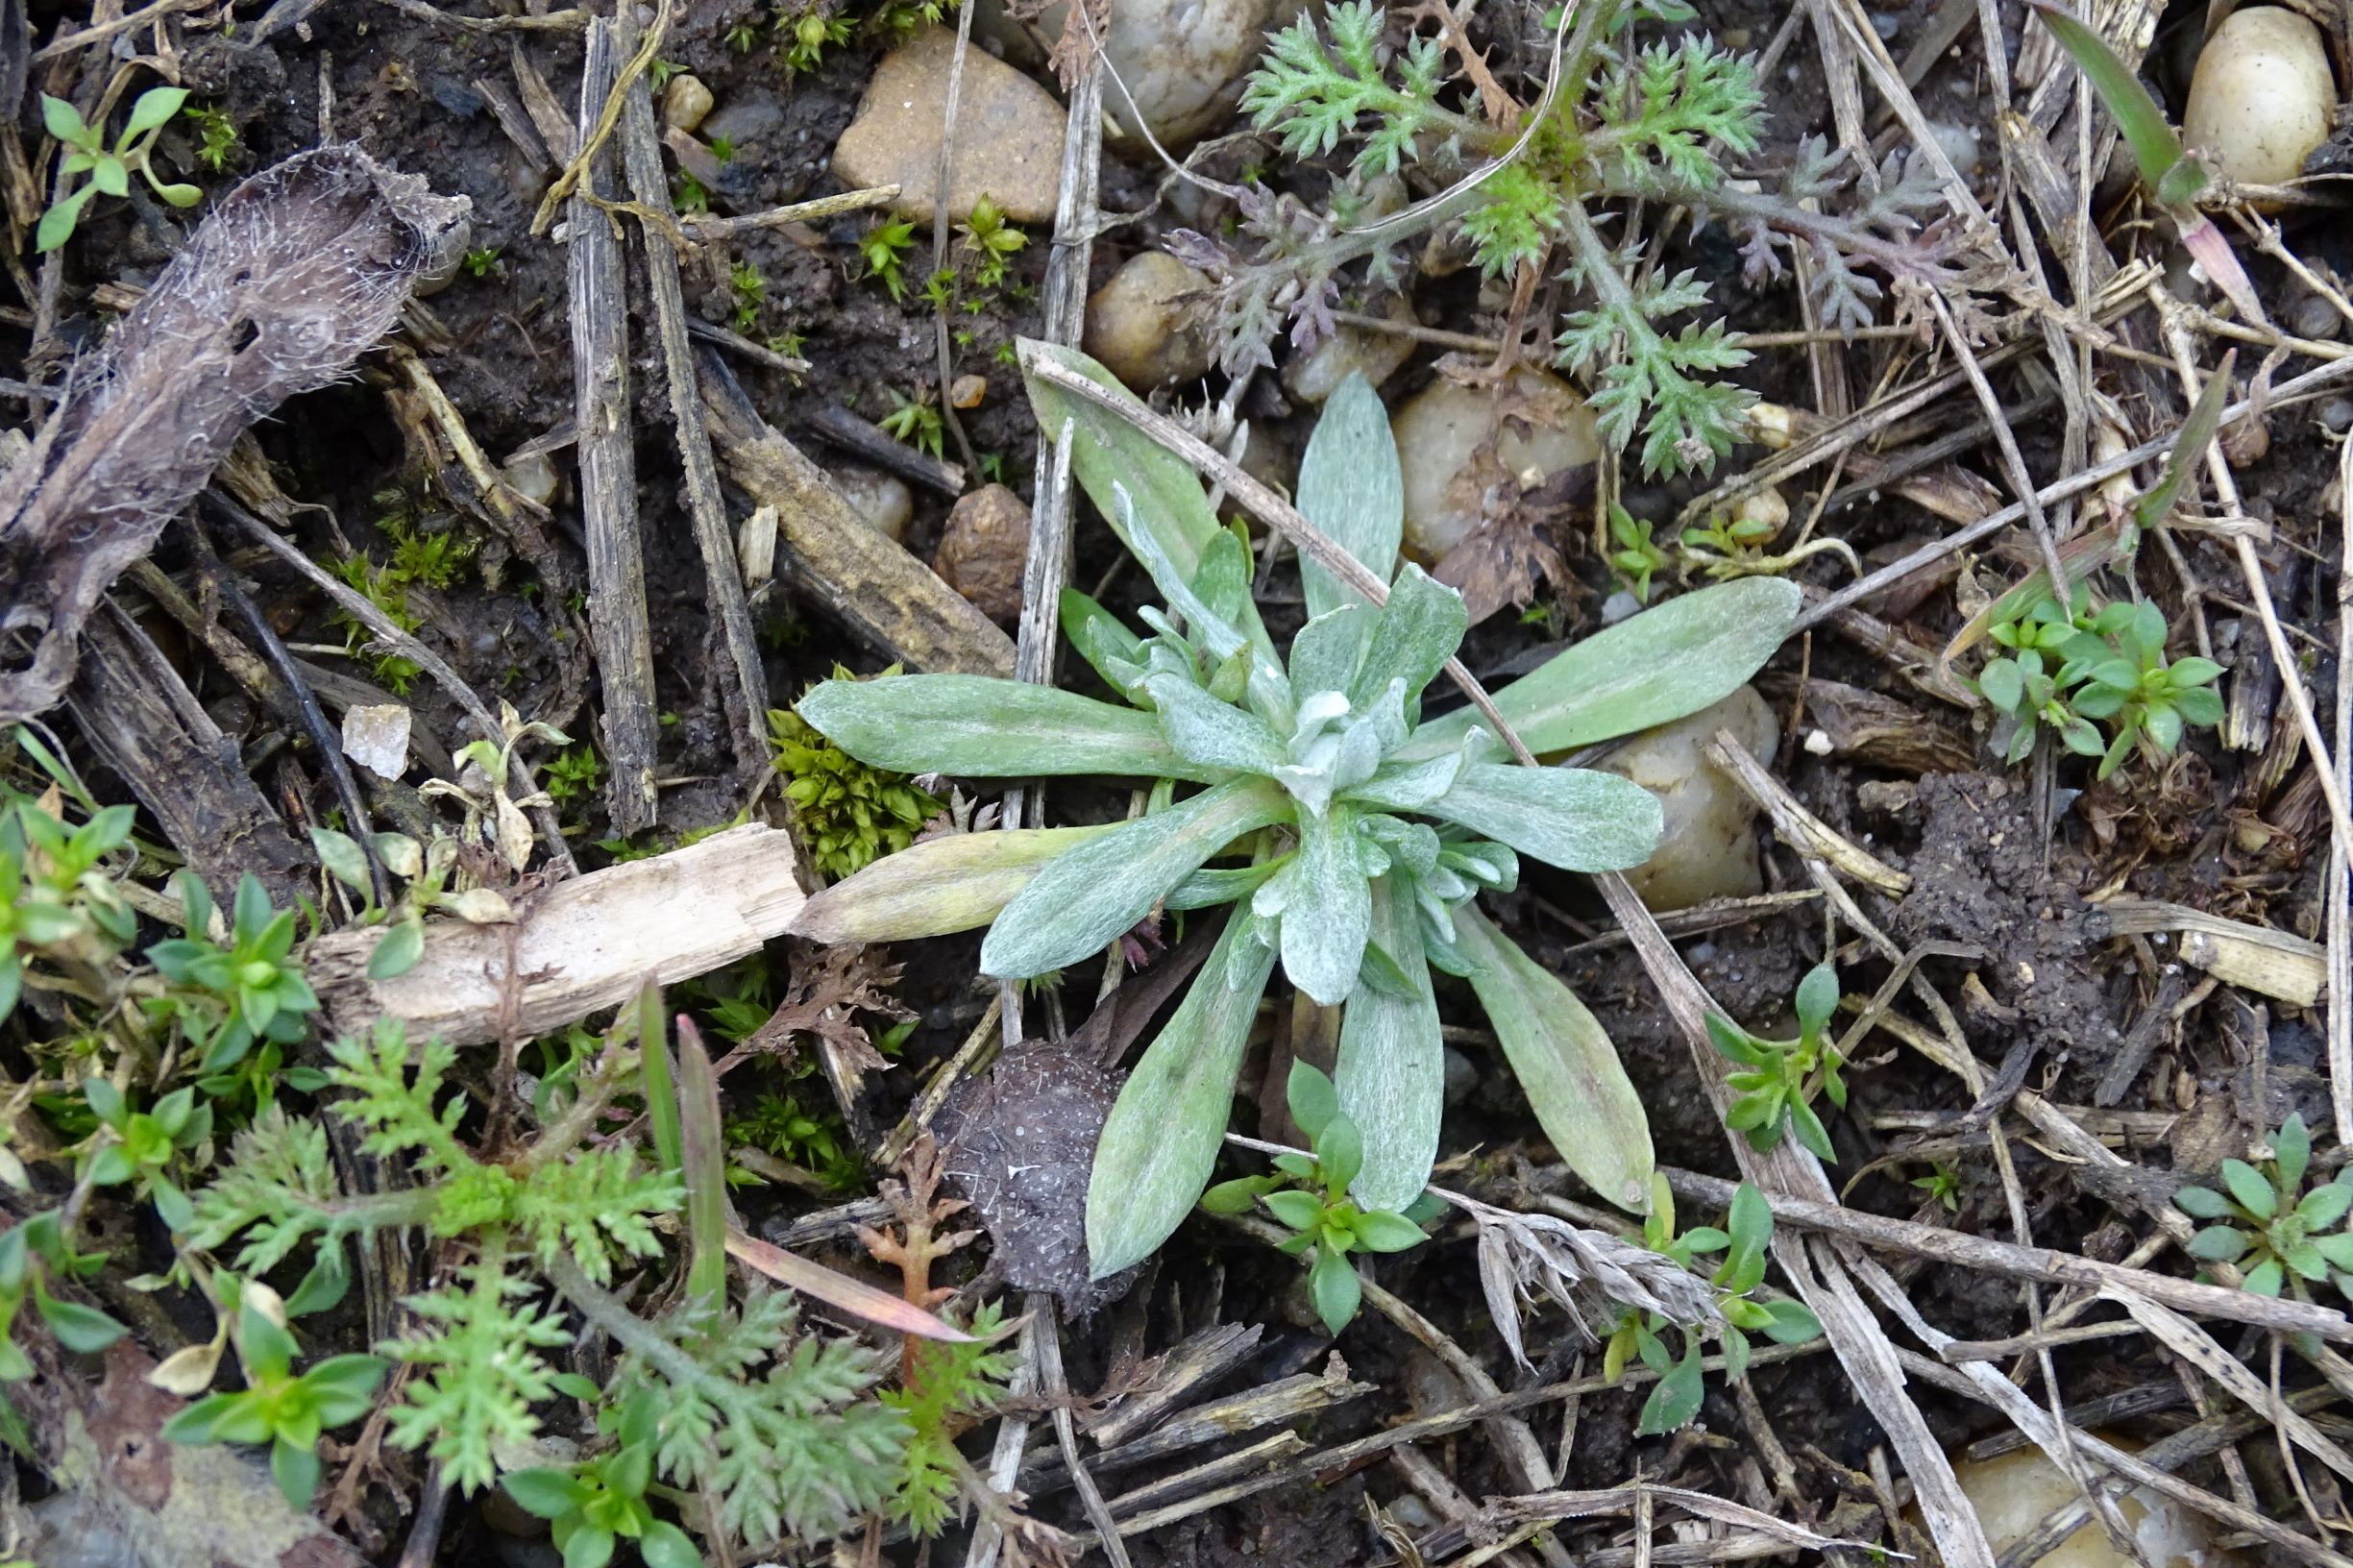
[141, 1147]
[595, 1505]
[808, 35]
[945, 1388]
[33, 1254]
[1356, 835]
[1942, 1185]
[2070, 668]
[990, 241]
[255, 979]
[1634, 556]
[917, 421]
[817, 1140]
[1675, 1398]
[748, 286]
[2280, 1236]
[850, 813]
[108, 168]
[216, 135]
[1778, 1079]
[482, 260]
[885, 247]
[573, 774]
[691, 196]
[278, 1406]
[1326, 1224]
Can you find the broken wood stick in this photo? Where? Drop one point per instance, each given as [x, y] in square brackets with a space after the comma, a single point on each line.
[583, 945]
[745, 697]
[618, 623]
[869, 582]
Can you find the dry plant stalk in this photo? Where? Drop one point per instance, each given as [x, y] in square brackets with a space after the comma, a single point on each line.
[296, 273]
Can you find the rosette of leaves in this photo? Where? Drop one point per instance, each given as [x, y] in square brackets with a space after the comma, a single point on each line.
[1354, 834]
[1778, 1079]
[2073, 669]
[2280, 1236]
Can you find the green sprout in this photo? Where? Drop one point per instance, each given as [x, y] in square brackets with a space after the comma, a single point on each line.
[2266, 1225]
[917, 421]
[61, 905]
[2071, 669]
[32, 1252]
[277, 1407]
[1322, 1217]
[808, 35]
[691, 196]
[1633, 558]
[1942, 1185]
[482, 260]
[1674, 1400]
[143, 1145]
[110, 169]
[885, 246]
[750, 287]
[573, 776]
[255, 980]
[1354, 837]
[593, 1506]
[1779, 1078]
[990, 241]
[817, 1140]
[848, 814]
[216, 134]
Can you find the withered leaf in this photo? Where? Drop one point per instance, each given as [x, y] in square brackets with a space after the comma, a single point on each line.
[296, 273]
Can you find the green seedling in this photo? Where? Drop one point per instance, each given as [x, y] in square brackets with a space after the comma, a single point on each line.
[1943, 1186]
[749, 285]
[254, 982]
[885, 247]
[2280, 1236]
[1310, 1200]
[947, 1388]
[573, 776]
[276, 1405]
[141, 1147]
[918, 421]
[1675, 1398]
[990, 241]
[595, 1505]
[33, 1253]
[62, 905]
[1355, 836]
[2070, 668]
[108, 168]
[1633, 556]
[482, 260]
[1779, 1079]
[216, 137]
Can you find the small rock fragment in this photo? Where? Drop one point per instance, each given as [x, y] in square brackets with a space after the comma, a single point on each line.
[967, 391]
[376, 736]
[1439, 430]
[1145, 324]
[985, 549]
[1182, 61]
[1315, 375]
[2262, 97]
[881, 499]
[532, 476]
[2012, 1492]
[685, 102]
[1009, 134]
[1707, 850]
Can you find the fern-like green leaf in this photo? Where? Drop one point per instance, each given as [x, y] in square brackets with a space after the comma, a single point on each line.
[480, 1343]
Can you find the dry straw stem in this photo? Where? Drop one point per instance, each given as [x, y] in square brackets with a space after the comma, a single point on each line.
[2254, 957]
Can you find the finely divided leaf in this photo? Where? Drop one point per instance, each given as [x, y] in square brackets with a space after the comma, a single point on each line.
[1350, 487]
[1564, 1061]
[1391, 1072]
[978, 726]
[1159, 1145]
[1671, 660]
[1085, 898]
[1573, 817]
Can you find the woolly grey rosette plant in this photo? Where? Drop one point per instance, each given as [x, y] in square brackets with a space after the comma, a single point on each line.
[1352, 837]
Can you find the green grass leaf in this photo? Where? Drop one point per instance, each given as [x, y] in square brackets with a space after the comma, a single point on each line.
[2155, 147]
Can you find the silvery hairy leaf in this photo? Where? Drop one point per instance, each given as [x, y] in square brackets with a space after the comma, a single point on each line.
[1351, 488]
[1080, 902]
[978, 726]
[1160, 1144]
[958, 882]
[1420, 627]
[1327, 650]
[1326, 906]
[1391, 1069]
[1573, 817]
[1213, 734]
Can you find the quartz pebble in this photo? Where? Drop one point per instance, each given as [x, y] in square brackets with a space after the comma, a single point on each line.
[1009, 134]
[1439, 428]
[1315, 375]
[881, 499]
[1145, 324]
[1707, 849]
[2013, 1492]
[685, 103]
[1182, 61]
[2262, 97]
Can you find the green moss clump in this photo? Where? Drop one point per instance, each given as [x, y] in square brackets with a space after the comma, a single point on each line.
[847, 814]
